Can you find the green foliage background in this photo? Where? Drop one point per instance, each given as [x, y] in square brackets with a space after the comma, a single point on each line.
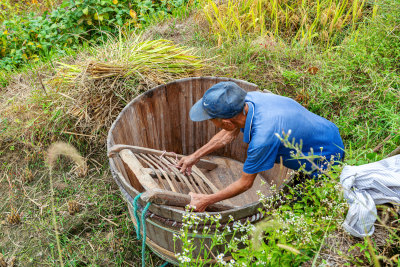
[30, 37]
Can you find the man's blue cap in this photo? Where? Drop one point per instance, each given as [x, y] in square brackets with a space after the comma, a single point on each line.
[223, 100]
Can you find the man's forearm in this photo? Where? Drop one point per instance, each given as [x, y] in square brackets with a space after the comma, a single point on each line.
[219, 140]
[234, 189]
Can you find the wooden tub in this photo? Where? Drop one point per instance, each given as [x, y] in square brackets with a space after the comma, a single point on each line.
[159, 119]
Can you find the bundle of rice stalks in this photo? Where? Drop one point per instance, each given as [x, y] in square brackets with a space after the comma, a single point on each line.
[154, 61]
[101, 82]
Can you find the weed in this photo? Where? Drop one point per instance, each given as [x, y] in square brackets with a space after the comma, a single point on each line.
[73, 207]
[201, 238]
[28, 176]
[11, 8]
[60, 148]
[14, 217]
[3, 263]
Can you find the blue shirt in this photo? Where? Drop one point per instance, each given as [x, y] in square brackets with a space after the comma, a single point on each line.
[271, 114]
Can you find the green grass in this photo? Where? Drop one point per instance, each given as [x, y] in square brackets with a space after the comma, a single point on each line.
[101, 233]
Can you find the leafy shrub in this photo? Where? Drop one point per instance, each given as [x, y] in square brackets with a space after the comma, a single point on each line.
[291, 234]
[11, 8]
[74, 22]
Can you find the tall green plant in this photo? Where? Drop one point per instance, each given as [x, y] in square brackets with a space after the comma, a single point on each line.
[305, 21]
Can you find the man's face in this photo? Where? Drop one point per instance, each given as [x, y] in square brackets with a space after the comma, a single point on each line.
[225, 124]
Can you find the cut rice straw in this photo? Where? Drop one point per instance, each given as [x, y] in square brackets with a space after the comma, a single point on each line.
[132, 56]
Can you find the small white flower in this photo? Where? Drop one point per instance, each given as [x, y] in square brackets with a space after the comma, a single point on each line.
[220, 259]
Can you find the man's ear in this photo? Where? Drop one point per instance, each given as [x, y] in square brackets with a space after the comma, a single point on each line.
[227, 123]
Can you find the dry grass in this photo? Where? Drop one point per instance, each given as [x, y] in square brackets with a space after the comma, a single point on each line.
[61, 148]
[99, 84]
[341, 248]
[102, 220]
[83, 96]
[153, 61]
[73, 207]
[14, 217]
[3, 263]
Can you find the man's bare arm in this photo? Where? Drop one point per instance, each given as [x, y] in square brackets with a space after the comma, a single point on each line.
[201, 201]
[221, 139]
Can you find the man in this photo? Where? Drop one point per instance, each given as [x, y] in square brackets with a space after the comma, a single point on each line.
[260, 116]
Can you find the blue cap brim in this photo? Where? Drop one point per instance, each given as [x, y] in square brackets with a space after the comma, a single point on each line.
[197, 112]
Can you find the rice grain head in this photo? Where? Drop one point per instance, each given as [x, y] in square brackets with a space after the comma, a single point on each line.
[61, 148]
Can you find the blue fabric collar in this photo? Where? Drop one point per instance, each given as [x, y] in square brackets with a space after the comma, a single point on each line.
[249, 122]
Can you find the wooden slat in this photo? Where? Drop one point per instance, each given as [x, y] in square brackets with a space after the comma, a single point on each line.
[205, 186]
[202, 185]
[205, 179]
[177, 182]
[163, 197]
[136, 167]
[153, 170]
[179, 174]
[163, 173]
[191, 179]
[204, 164]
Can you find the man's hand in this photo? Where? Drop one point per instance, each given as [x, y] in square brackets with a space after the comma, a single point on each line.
[221, 139]
[185, 164]
[199, 201]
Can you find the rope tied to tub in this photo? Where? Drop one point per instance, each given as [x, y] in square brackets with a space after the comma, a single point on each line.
[139, 223]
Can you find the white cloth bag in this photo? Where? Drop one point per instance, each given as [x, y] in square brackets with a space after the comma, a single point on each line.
[366, 186]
